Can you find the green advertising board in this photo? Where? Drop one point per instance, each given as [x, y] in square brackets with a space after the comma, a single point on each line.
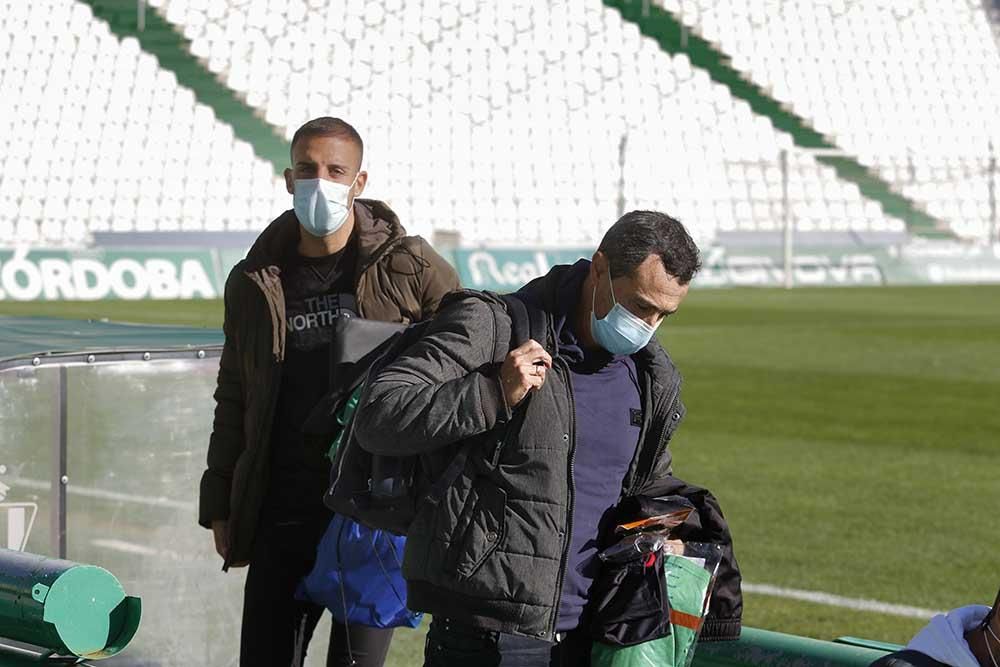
[90, 275]
[918, 263]
[200, 273]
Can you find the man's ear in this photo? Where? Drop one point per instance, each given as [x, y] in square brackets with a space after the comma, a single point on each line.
[360, 184]
[598, 264]
[289, 181]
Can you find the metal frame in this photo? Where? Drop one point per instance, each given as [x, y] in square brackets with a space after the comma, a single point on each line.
[57, 532]
[93, 356]
[16, 654]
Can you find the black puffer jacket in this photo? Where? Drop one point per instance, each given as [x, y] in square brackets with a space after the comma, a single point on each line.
[492, 549]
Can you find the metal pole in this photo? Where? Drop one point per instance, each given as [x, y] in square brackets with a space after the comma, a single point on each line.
[141, 9]
[57, 531]
[994, 223]
[621, 175]
[786, 220]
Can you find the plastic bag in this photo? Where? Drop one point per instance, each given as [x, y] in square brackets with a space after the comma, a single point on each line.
[652, 514]
[688, 570]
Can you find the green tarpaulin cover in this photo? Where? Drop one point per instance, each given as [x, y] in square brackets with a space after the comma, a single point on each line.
[29, 336]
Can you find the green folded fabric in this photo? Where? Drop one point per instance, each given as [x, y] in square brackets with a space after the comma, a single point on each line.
[343, 417]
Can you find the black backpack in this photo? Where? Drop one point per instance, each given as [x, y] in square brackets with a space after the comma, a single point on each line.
[383, 491]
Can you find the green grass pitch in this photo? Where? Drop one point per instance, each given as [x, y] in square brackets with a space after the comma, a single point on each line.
[852, 436]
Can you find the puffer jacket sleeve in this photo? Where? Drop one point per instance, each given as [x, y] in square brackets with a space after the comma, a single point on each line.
[227, 440]
[439, 279]
[442, 389]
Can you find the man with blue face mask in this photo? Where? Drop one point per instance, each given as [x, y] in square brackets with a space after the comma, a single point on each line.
[332, 256]
[555, 436]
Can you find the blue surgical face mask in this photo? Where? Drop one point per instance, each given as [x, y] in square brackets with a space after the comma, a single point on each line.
[619, 332]
[322, 206]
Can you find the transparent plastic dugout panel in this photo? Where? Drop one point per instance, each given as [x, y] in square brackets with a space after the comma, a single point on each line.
[29, 431]
[137, 437]
[133, 451]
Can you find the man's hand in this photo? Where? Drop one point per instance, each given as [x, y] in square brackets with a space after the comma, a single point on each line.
[220, 529]
[524, 370]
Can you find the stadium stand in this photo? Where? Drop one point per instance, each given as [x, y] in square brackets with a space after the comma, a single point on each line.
[504, 123]
[471, 121]
[909, 88]
[96, 136]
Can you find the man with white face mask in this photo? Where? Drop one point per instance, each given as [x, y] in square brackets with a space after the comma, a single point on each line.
[332, 256]
[556, 435]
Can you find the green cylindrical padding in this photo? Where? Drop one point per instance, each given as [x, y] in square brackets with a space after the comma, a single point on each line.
[762, 647]
[65, 607]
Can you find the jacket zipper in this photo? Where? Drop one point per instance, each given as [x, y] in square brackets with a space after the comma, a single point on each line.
[570, 492]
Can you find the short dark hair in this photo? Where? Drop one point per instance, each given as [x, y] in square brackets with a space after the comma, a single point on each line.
[639, 234]
[327, 126]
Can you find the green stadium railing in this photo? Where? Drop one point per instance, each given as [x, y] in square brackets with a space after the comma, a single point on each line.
[80, 611]
[674, 37]
[173, 51]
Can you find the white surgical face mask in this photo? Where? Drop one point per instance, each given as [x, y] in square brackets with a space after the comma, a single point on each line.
[619, 332]
[322, 206]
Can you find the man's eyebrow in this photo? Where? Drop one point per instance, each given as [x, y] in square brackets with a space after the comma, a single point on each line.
[649, 305]
[305, 163]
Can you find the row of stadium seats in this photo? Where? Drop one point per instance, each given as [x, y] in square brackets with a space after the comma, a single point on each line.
[536, 98]
[896, 84]
[95, 136]
[503, 122]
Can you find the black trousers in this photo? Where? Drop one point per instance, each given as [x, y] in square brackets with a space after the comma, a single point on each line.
[277, 628]
[451, 643]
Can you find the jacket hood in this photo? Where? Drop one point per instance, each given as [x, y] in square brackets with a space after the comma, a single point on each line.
[943, 639]
[376, 230]
[544, 292]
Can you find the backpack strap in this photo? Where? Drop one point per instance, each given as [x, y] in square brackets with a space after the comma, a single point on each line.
[527, 322]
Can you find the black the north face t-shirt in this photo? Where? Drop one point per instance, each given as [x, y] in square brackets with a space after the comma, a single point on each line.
[317, 292]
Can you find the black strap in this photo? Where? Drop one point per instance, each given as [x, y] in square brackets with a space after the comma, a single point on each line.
[527, 322]
[448, 477]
